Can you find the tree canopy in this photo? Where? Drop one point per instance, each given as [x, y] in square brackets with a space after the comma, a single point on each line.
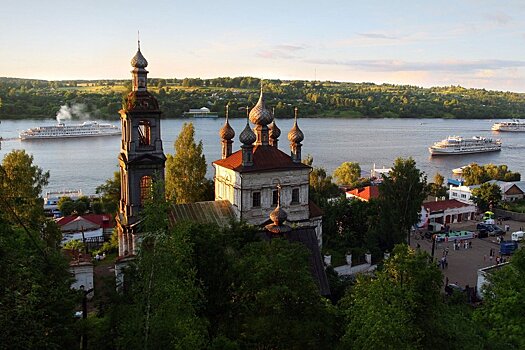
[401, 194]
[486, 196]
[186, 170]
[347, 174]
[475, 174]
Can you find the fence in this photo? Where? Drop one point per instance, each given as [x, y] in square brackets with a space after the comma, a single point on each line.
[512, 215]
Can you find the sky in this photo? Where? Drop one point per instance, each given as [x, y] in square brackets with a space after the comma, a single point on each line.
[472, 43]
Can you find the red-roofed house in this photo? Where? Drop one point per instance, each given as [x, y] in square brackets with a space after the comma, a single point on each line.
[449, 211]
[88, 222]
[363, 193]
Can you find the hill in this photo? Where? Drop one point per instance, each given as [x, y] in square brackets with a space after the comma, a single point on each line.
[28, 98]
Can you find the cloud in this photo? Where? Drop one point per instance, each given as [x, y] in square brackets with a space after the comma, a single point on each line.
[378, 36]
[280, 51]
[438, 66]
[498, 18]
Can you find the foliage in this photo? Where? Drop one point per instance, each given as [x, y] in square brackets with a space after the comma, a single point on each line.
[486, 196]
[321, 186]
[21, 184]
[110, 194]
[346, 227]
[501, 314]
[74, 244]
[276, 302]
[347, 174]
[67, 206]
[401, 308]
[41, 98]
[475, 174]
[401, 194]
[186, 170]
[36, 302]
[160, 306]
[437, 188]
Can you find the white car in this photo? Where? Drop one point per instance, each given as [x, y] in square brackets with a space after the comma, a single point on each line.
[517, 236]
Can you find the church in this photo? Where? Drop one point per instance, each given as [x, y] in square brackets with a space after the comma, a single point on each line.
[258, 184]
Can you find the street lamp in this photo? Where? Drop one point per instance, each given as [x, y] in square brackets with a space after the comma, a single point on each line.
[84, 314]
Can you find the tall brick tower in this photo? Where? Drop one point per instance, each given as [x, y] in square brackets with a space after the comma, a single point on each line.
[141, 158]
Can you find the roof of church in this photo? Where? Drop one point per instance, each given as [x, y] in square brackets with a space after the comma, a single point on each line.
[209, 212]
[265, 158]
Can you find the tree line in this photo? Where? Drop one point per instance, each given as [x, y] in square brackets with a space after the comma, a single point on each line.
[26, 98]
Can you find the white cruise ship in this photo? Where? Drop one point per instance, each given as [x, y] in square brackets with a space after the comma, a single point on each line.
[61, 130]
[458, 145]
[515, 125]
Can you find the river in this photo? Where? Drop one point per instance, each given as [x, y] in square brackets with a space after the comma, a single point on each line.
[85, 163]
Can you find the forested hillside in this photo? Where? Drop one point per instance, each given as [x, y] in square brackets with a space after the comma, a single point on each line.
[26, 98]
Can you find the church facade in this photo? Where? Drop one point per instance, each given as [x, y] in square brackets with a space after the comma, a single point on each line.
[249, 177]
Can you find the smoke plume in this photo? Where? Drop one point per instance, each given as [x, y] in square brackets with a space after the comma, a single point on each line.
[76, 111]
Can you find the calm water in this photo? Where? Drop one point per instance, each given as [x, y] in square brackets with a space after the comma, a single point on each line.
[86, 163]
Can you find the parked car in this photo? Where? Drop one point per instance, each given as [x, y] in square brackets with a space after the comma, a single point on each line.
[507, 247]
[517, 236]
[489, 230]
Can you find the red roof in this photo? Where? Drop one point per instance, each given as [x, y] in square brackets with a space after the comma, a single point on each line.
[102, 220]
[265, 158]
[365, 193]
[443, 205]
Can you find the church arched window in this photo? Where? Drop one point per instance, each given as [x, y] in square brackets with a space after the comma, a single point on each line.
[145, 189]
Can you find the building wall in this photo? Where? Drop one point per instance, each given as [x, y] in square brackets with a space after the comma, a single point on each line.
[239, 190]
[461, 193]
[83, 273]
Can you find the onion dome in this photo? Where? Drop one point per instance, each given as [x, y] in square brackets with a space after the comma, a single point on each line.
[259, 115]
[295, 135]
[278, 216]
[275, 132]
[247, 136]
[227, 132]
[138, 61]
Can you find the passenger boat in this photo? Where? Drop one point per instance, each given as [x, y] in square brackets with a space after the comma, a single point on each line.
[514, 125]
[454, 145]
[61, 130]
[459, 171]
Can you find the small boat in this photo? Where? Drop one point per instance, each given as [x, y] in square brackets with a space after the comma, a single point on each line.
[459, 171]
[513, 126]
[454, 145]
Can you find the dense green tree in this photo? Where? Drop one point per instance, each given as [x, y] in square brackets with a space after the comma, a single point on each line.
[66, 206]
[475, 174]
[160, 306]
[21, 184]
[110, 193]
[36, 301]
[437, 188]
[501, 315]
[486, 196]
[186, 170]
[401, 308]
[401, 194]
[276, 301]
[347, 174]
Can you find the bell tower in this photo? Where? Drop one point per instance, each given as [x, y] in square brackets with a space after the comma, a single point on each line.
[141, 158]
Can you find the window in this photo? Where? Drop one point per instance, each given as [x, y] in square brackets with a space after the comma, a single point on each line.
[463, 196]
[256, 199]
[295, 196]
[144, 133]
[145, 189]
[275, 196]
